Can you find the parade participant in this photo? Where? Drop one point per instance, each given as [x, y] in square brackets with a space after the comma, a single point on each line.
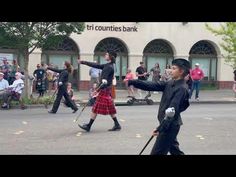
[62, 88]
[104, 104]
[40, 75]
[174, 101]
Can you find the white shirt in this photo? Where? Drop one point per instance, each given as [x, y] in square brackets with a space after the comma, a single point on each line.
[17, 86]
[3, 84]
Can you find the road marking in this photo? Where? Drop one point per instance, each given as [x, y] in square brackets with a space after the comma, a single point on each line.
[19, 132]
[24, 122]
[200, 137]
[122, 120]
[79, 133]
[208, 118]
[138, 136]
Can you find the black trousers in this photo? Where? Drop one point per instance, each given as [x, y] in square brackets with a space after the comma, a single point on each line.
[63, 92]
[167, 142]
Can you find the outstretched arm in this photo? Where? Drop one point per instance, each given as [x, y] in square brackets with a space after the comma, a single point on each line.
[55, 70]
[91, 64]
[147, 85]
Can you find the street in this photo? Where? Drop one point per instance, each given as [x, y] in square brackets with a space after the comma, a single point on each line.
[207, 129]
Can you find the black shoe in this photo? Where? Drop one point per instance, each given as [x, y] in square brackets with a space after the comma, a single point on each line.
[85, 127]
[75, 110]
[115, 128]
[51, 112]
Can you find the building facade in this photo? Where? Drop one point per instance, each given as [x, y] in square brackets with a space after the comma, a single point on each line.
[135, 42]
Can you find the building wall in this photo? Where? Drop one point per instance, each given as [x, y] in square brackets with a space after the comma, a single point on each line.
[180, 37]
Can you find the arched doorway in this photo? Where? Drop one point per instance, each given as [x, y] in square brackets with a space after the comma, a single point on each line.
[121, 59]
[67, 50]
[204, 53]
[157, 51]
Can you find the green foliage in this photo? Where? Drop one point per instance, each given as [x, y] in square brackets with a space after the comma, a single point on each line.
[47, 100]
[228, 33]
[30, 35]
[27, 36]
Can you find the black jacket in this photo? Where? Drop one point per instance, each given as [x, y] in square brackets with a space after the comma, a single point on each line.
[63, 75]
[175, 94]
[107, 71]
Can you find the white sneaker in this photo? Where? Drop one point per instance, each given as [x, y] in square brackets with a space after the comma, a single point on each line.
[197, 99]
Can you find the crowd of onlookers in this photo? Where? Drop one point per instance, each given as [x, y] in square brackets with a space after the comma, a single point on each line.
[12, 80]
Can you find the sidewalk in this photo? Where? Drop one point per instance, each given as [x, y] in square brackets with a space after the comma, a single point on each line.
[206, 96]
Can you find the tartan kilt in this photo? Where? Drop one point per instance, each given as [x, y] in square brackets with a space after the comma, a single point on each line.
[104, 104]
[40, 85]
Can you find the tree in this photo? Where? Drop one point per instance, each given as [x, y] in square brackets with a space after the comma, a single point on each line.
[27, 36]
[228, 32]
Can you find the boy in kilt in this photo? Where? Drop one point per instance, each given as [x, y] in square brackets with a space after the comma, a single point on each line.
[104, 103]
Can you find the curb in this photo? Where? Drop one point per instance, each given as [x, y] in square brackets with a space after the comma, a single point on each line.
[125, 104]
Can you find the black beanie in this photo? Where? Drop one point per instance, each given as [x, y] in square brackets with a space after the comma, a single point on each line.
[183, 64]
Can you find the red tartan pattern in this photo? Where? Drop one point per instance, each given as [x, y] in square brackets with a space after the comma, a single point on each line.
[104, 104]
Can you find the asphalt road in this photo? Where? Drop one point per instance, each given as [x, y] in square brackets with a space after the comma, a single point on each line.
[207, 129]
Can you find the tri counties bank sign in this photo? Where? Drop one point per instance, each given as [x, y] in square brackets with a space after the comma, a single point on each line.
[114, 28]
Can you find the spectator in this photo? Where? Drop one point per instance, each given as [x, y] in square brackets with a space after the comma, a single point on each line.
[3, 85]
[14, 68]
[129, 76]
[156, 73]
[51, 78]
[92, 98]
[5, 68]
[197, 75]
[70, 92]
[14, 90]
[189, 82]
[94, 74]
[167, 74]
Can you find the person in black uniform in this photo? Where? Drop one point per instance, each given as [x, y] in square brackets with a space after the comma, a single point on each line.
[40, 75]
[104, 103]
[62, 88]
[174, 101]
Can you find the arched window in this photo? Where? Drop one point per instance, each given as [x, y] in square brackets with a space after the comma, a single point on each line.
[121, 60]
[67, 50]
[204, 53]
[157, 51]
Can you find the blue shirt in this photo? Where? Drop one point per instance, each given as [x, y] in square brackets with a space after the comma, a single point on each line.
[3, 84]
